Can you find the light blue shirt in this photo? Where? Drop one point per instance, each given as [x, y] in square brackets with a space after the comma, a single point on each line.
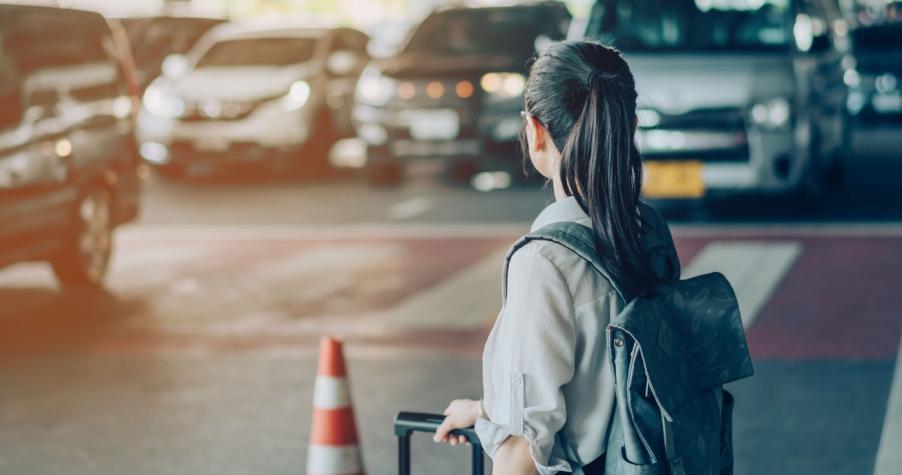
[546, 371]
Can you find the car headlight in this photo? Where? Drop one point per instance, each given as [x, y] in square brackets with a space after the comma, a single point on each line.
[772, 114]
[162, 103]
[886, 83]
[503, 85]
[373, 88]
[298, 95]
[851, 78]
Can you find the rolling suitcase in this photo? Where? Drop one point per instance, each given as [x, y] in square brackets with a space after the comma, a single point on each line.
[406, 423]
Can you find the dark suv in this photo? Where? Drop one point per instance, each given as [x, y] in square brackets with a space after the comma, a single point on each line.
[875, 77]
[455, 90]
[69, 168]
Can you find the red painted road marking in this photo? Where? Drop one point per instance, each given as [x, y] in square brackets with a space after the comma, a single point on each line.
[839, 300]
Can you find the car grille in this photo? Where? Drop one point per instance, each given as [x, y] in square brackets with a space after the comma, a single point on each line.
[708, 135]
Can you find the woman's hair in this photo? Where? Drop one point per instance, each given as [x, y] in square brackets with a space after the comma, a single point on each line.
[584, 94]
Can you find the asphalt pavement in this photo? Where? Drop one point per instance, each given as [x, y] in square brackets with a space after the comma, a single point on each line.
[200, 357]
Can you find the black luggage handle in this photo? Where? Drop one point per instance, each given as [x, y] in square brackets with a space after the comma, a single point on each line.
[406, 423]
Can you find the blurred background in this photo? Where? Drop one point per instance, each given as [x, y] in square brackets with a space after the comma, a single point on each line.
[192, 192]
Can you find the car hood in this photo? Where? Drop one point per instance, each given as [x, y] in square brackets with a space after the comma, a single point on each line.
[419, 65]
[237, 83]
[679, 83]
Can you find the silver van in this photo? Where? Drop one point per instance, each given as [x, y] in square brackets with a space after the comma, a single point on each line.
[735, 96]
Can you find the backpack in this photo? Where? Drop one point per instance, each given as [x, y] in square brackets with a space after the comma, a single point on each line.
[670, 355]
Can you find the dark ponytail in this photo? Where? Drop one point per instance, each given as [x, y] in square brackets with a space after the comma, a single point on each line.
[584, 94]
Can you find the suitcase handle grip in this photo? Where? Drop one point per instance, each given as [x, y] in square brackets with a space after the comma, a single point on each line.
[406, 423]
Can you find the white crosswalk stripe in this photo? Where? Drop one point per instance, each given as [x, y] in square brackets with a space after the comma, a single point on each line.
[889, 455]
[468, 298]
[465, 300]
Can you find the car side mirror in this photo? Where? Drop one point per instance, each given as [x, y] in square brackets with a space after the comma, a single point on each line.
[342, 63]
[175, 66]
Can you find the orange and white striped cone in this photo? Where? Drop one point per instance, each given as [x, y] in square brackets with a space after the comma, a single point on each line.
[334, 446]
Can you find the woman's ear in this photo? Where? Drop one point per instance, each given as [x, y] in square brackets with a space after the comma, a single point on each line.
[536, 134]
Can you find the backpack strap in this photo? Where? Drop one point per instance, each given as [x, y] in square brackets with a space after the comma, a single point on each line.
[575, 237]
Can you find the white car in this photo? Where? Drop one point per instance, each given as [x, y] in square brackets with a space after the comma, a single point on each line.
[251, 94]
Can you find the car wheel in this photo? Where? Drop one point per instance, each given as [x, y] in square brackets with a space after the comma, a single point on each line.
[460, 171]
[834, 175]
[315, 154]
[84, 257]
[388, 173]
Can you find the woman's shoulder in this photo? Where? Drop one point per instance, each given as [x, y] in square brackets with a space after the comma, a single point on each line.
[548, 260]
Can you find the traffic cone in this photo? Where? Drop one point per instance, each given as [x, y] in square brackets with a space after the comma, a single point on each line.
[334, 446]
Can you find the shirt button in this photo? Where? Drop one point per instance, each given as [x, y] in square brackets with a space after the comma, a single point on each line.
[618, 342]
[518, 379]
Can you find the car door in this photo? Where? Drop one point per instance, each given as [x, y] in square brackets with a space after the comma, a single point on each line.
[35, 201]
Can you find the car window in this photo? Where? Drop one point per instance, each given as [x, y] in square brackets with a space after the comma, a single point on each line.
[884, 37]
[174, 35]
[348, 41]
[259, 52]
[62, 54]
[698, 25]
[510, 30]
[36, 49]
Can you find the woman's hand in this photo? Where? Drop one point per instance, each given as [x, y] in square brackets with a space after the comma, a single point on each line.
[460, 414]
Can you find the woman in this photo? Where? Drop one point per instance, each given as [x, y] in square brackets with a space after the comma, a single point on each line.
[547, 385]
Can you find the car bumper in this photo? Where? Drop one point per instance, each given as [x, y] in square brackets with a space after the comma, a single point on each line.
[730, 162]
[490, 136]
[274, 130]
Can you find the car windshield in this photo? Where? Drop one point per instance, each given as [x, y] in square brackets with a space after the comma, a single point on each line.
[484, 31]
[174, 35]
[879, 37]
[692, 25]
[33, 48]
[259, 52]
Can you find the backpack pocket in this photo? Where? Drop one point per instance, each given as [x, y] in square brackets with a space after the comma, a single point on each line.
[628, 468]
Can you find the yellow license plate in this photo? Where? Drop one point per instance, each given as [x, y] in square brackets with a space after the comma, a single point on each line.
[673, 180]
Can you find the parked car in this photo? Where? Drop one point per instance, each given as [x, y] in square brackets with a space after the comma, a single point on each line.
[875, 97]
[734, 97]
[251, 94]
[69, 168]
[455, 90]
[156, 38]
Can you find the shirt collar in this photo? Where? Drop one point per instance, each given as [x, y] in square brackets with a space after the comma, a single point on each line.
[564, 209]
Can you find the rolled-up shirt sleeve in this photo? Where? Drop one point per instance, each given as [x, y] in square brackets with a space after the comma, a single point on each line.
[528, 358]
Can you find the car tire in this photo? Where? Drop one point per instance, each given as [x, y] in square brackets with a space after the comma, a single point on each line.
[812, 187]
[835, 172]
[460, 171]
[83, 259]
[385, 174]
[314, 159]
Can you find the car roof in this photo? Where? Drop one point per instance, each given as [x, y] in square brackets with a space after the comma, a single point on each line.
[268, 29]
[170, 17]
[476, 5]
